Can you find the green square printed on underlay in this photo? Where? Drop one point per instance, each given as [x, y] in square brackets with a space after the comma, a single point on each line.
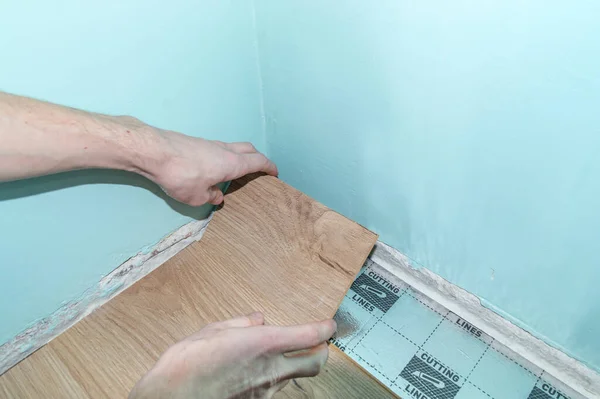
[456, 347]
[469, 391]
[413, 317]
[501, 377]
[385, 351]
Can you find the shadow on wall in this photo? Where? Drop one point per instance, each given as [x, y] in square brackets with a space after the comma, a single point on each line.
[40, 185]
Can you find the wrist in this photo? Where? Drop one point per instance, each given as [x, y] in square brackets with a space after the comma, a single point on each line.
[140, 148]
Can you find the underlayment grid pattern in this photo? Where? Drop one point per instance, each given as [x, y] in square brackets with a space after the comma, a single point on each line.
[419, 349]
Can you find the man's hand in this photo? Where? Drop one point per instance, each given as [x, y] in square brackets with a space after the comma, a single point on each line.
[237, 358]
[39, 138]
[193, 167]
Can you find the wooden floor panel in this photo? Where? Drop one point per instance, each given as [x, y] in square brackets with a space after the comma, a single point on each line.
[269, 248]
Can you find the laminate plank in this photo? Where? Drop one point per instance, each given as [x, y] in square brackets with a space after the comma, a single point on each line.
[269, 248]
[45, 376]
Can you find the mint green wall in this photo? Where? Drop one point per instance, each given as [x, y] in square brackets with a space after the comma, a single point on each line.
[466, 133]
[183, 65]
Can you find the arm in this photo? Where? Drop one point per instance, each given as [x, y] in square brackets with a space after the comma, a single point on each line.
[237, 358]
[39, 138]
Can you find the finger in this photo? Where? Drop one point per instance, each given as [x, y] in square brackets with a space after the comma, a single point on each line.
[305, 364]
[289, 339]
[253, 319]
[215, 195]
[257, 318]
[257, 162]
[241, 148]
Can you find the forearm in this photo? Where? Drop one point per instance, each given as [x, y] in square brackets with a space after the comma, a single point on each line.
[38, 138]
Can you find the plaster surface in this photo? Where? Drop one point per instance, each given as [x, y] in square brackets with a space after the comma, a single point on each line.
[465, 133]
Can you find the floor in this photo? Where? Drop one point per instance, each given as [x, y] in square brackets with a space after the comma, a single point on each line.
[419, 349]
[270, 248]
[273, 249]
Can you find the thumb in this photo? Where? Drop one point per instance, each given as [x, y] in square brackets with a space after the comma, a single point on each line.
[215, 196]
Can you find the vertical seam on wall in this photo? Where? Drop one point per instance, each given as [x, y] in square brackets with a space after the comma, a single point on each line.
[263, 117]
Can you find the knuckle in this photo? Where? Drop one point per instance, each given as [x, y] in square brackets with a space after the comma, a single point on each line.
[269, 338]
[197, 200]
[273, 340]
[130, 120]
[233, 158]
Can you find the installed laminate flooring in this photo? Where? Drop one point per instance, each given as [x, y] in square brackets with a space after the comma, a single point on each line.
[269, 248]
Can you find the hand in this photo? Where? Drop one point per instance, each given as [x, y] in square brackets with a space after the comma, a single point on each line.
[193, 167]
[237, 358]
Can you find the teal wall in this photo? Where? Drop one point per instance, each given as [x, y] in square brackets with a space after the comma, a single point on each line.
[184, 65]
[466, 133]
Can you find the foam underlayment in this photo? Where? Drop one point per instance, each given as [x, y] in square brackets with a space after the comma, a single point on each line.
[419, 349]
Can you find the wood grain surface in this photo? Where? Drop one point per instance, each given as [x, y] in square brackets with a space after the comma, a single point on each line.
[269, 248]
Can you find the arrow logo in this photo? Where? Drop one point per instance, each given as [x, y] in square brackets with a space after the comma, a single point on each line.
[432, 380]
[372, 290]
